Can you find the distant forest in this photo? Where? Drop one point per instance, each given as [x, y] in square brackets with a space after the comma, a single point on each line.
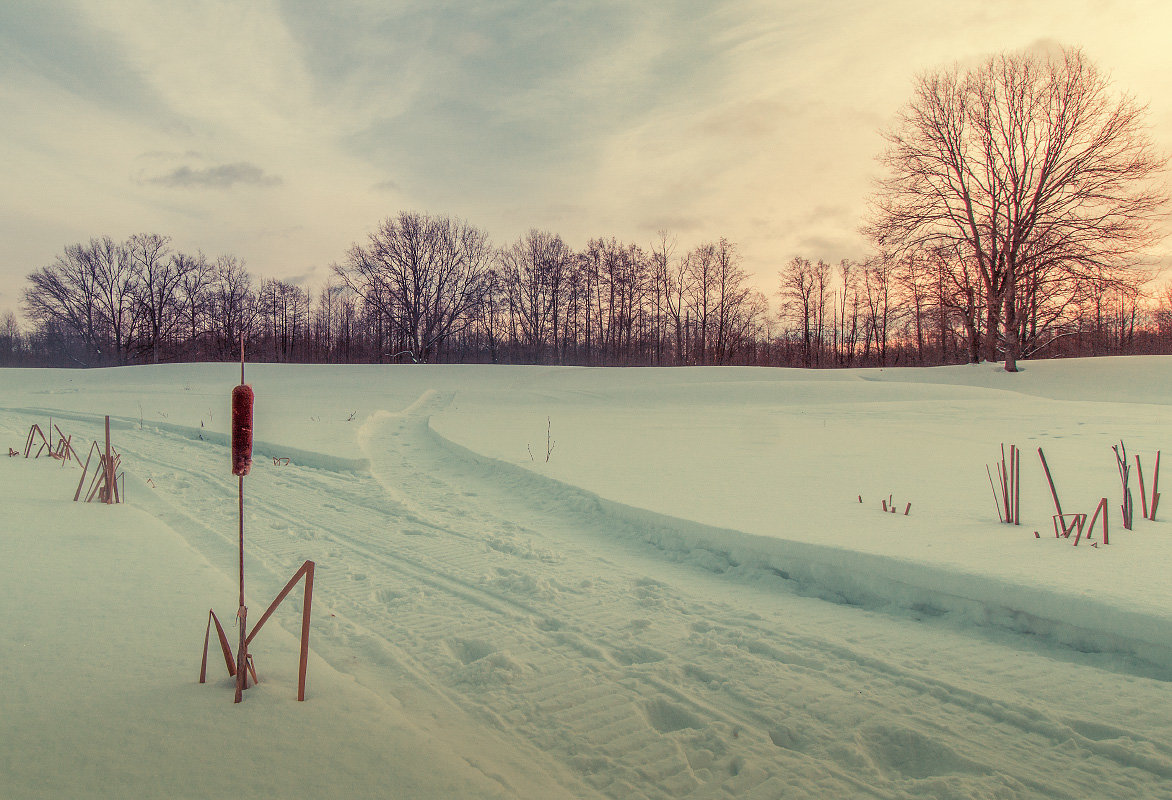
[433, 289]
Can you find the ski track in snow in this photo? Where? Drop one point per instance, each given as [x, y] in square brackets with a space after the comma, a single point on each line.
[600, 667]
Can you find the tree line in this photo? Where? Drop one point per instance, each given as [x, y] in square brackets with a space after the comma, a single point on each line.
[432, 289]
[421, 288]
[1015, 213]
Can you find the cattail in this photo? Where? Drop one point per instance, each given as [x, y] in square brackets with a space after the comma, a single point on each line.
[241, 429]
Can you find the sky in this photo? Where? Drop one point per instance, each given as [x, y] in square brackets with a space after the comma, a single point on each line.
[284, 132]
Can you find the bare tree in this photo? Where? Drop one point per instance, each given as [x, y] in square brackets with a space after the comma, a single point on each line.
[913, 281]
[194, 297]
[662, 253]
[11, 341]
[735, 309]
[673, 272]
[846, 335]
[700, 292]
[116, 294]
[64, 294]
[161, 276]
[533, 274]
[878, 279]
[282, 317]
[613, 280]
[799, 283]
[425, 275]
[1023, 162]
[233, 304]
[326, 320]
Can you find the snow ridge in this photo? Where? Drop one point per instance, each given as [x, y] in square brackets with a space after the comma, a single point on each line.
[866, 580]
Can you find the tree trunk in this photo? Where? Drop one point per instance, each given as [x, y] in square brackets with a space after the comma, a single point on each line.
[992, 326]
[1012, 340]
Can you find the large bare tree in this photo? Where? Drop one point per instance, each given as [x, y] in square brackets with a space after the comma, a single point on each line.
[425, 275]
[232, 303]
[117, 291]
[90, 291]
[1025, 164]
[161, 276]
[64, 294]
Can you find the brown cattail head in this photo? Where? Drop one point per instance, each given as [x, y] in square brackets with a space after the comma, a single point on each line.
[241, 429]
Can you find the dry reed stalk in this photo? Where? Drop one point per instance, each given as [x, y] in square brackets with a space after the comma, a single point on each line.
[1016, 485]
[1049, 480]
[1101, 508]
[996, 503]
[306, 572]
[1155, 487]
[109, 466]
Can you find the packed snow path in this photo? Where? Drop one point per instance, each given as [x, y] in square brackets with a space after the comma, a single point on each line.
[568, 660]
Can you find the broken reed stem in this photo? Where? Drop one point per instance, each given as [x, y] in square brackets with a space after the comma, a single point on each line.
[84, 470]
[306, 571]
[224, 647]
[303, 661]
[1156, 478]
[1009, 481]
[1001, 489]
[63, 442]
[35, 430]
[1050, 480]
[996, 502]
[1124, 472]
[1155, 487]
[1149, 510]
[1016, 485]
[1101, 508]
[1143, 495]
[1005, 486]
[96, 483]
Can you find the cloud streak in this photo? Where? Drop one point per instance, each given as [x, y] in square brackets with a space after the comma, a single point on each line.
[219, 176]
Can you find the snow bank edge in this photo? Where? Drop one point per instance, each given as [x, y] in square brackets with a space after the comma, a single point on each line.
[874, 582]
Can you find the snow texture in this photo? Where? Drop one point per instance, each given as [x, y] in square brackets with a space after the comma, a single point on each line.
[563, 582]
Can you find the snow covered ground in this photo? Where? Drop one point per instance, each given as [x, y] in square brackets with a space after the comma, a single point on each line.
[686, 599]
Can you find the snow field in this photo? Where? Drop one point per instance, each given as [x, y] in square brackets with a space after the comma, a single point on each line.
[99, 658]
[771, 471]
[644, 615]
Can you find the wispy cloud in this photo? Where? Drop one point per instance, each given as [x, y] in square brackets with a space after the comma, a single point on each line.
[52, 41]
[220, 176]
[750, 119]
